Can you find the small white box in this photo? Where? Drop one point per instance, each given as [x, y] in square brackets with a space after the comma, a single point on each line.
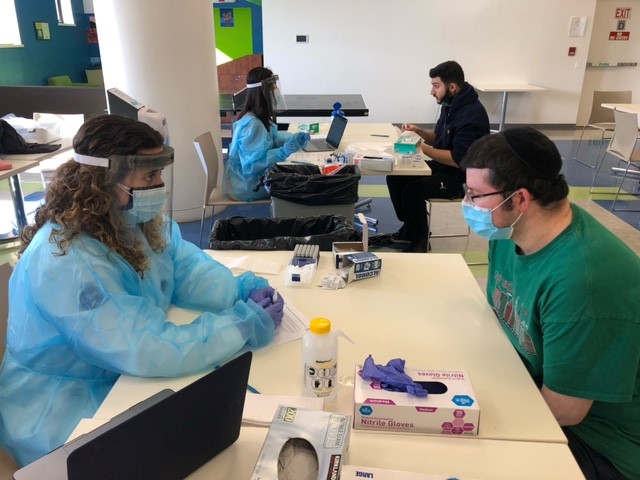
[413, 160]
[453, 410]
[380, 163]
[359, 266]
[314, 440]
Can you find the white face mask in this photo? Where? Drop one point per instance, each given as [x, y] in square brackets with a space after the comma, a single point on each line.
[145, 204]
[480, 220]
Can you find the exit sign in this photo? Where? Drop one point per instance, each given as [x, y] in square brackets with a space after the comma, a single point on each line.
[623, 13]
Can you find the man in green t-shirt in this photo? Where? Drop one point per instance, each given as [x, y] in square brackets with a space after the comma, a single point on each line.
[567, 293]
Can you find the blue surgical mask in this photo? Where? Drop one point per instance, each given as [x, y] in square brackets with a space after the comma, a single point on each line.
[480, 220]
[145, 204]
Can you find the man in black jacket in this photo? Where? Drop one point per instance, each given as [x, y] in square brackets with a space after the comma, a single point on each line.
[462, 120]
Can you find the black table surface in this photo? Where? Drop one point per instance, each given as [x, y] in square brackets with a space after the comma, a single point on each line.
[304, 105]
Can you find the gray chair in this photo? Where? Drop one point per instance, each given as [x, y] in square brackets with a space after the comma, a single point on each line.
[623, 146]
[601, 119]
[213, 197]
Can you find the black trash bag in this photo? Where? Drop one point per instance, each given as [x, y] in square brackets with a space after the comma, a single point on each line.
[244, 233]
[305, 184]
[12, 142]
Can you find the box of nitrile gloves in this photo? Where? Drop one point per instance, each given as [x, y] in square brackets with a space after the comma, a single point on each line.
[304, 443]
[450, 408]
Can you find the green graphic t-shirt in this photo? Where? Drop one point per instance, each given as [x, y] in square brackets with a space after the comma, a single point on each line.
[572, 310]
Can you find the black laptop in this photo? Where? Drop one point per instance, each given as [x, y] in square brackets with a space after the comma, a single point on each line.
[167, 436]
[336, 130]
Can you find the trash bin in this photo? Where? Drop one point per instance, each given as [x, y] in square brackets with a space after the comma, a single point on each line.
[302, 190]
[244, 233]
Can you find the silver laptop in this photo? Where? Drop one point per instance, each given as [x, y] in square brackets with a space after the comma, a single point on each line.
[166, 436]
[336, 130]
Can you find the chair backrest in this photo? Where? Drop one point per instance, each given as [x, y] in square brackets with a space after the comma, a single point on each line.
[208, 155]
[5, 273]
[599, 114]
[625, 135]
[238, 100]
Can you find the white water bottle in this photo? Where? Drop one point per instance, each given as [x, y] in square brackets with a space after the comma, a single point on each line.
[320, 360]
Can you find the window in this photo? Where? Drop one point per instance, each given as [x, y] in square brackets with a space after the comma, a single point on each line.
[65, 12]
[9, 31]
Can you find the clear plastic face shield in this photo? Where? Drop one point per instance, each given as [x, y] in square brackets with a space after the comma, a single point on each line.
[143, 185]
[272, 90]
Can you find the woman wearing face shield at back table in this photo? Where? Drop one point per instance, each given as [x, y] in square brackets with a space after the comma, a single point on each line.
[90, 293]
[257, 144]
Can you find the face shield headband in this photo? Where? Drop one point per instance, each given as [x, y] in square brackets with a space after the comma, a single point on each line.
[129, 162]
[271, 90]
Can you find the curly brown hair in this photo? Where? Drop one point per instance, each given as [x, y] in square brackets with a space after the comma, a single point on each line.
[81, 199]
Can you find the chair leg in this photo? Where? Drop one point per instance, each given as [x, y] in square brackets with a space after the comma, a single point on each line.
[204, 210]
[575, 154]
[613, 205]
[596, 173]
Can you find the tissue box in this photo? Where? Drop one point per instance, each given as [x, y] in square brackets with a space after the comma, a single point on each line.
[451, 408]
[381, 163]
[298, 436]
[407, 142]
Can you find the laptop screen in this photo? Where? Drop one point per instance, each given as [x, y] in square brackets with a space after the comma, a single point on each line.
[167, 436]
[174, 437]
[336, 130]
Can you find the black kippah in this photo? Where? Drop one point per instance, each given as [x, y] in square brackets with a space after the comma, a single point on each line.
[535, 151]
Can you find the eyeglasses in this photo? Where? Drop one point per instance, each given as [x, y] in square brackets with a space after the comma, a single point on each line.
[471, 198]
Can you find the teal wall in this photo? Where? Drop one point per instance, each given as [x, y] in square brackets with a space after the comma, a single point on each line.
[67, 53]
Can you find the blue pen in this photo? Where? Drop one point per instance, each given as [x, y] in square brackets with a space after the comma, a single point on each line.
[252, 390]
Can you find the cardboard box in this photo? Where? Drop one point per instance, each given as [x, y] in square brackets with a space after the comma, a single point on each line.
[311, 440]
[410, 160]
[407, 143]
[451, 408]
[359, 266]
[352, 472]
[341, 249]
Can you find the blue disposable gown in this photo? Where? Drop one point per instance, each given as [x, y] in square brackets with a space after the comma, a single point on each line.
[253, 150]
[77, 321]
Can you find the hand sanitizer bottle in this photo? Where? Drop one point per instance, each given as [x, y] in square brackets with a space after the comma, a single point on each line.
[320, 360]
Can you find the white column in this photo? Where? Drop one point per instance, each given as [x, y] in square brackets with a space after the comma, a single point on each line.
[162, 53]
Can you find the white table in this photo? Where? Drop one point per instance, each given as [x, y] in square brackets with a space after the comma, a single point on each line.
[364, 133]
[625, 107]
[506, 89]
[477, 459]
[427, 309]
[21, 163]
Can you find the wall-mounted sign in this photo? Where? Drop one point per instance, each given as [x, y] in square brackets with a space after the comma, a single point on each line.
[42, 30]
[623, 13]
[621, 24]
[618, 35]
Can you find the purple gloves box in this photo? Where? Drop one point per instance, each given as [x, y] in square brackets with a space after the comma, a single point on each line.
[450, 408]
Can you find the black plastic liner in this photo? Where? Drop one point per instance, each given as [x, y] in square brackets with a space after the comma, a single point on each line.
[244, 233]
[305, 184]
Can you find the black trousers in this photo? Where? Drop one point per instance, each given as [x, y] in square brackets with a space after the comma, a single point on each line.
[593, 465]
[408, 195]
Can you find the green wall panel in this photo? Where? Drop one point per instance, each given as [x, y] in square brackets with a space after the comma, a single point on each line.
[236, 41]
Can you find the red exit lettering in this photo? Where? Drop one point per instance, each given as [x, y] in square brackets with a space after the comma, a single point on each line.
[623, 13]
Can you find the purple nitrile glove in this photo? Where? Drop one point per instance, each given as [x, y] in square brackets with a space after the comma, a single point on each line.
[262, 296]
[276, 311]
[392, 376]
